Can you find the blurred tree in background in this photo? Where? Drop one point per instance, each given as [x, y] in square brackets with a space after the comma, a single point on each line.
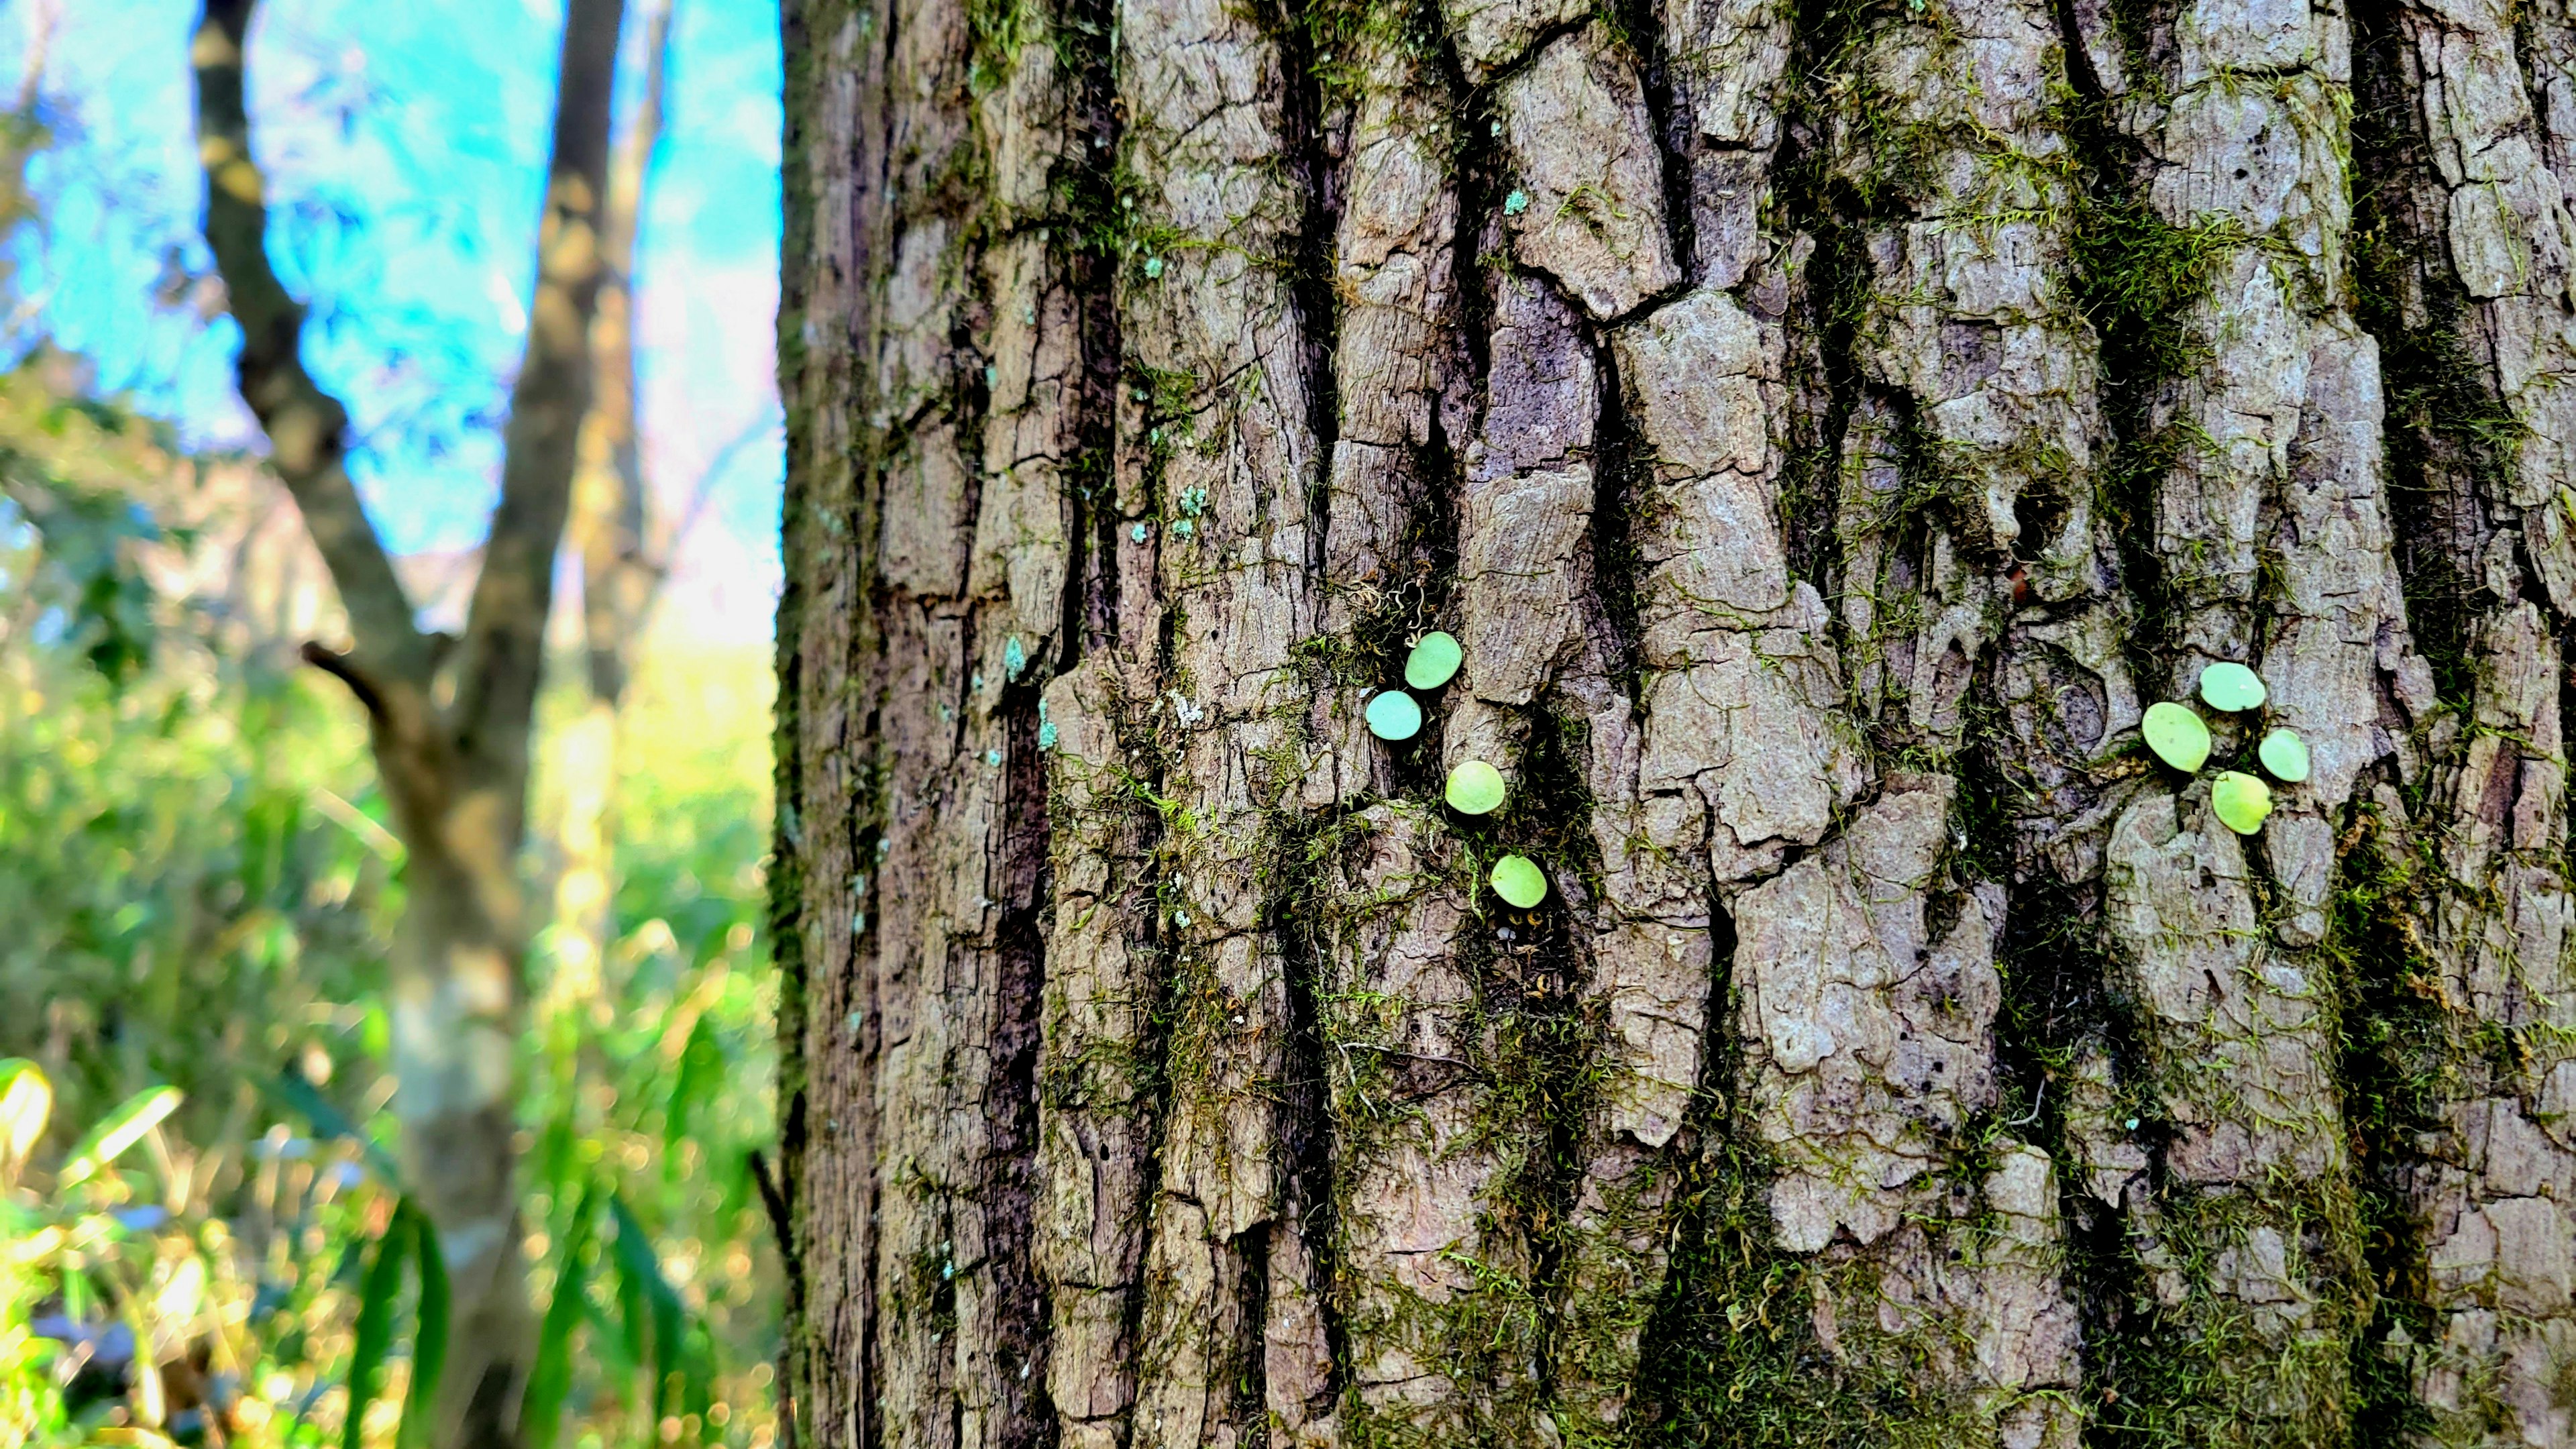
[205, 1235]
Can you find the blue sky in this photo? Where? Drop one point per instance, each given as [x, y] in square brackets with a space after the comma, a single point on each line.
[405, 146]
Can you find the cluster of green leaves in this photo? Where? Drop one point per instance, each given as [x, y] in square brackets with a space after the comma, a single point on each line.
[648, 1101]
[65, 466]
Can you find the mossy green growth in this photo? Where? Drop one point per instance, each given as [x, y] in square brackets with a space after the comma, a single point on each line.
[1434, 661]
[2231, 687]
[2176, 735]
[2285, 755]
[1475, 788]
[1393, 716]
[2242, 801]
[1519, 881]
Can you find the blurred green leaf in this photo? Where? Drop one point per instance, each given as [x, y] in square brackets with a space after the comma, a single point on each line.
[375, 1328]
[429, 1343]
[117, 1131]
[701, 1071]
[541, 1411]
[302, 1098]
[26, 1102]
[639, 1265]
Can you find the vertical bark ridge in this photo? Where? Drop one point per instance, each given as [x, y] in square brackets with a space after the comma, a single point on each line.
[1411, 1163]
[827, 818]
[2489, 1192]
[1219, 360]
[2463, 127]
[1105, 1059]
[1101, 1064]
[1102, 1069]
[942, 753]
[1550, 610]
[1396, 1011]
[942, 422]
[2259, 456]
[1866, 974]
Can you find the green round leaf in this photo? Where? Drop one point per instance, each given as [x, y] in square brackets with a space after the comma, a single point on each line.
[1475, 788]
[2176, 735]
[2231, 687]
[2285, 755]
[1394, 716]
[2241, 801]
[1519, 881]
[1434, 661]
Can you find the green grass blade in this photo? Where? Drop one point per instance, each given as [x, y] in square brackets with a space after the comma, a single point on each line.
[429, 1341]
[375, 1329]
[701, 1071]
[26, 1104]
[637, 1262]
[550, 1381]
[300, 1097]
[117, 1131]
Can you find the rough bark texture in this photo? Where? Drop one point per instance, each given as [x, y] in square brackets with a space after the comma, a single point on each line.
[1826, 427]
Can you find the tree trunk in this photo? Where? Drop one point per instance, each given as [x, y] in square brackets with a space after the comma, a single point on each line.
[450, 719]
[1826, 428]
[606, 533]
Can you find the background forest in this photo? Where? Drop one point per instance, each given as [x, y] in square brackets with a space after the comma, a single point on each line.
[207, 1235]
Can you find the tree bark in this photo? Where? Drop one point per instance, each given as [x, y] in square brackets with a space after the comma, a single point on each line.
[450, 719]
[1826, 428]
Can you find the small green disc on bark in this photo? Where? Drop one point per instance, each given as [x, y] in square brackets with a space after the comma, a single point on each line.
[1434, 661]
[2241, 801]
[2231, 687]
[1475, 788]
[1394, 716]
[1519, 881]
[2176, 735]
[2285, 755]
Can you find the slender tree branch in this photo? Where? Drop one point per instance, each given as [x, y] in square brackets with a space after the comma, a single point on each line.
[346, 670]
[617, 572]
[504, 645]
[782, 1221]
[306, 426]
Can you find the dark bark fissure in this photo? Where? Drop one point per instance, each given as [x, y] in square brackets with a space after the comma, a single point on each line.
[1830, 277]
[1730, 1357]
[1318, 128]
[1087, 193]
[2137, 330]
[2445, 425]
[1308, 1142]
[1531, 969]
[1086, 206]
[2056, 937]
[1479, 167]
[2447, 453]
[1642, 28]
[863, 1031]
[1012, 1190]
[1314, 160]
[1621, 464]
[2391, 1055]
